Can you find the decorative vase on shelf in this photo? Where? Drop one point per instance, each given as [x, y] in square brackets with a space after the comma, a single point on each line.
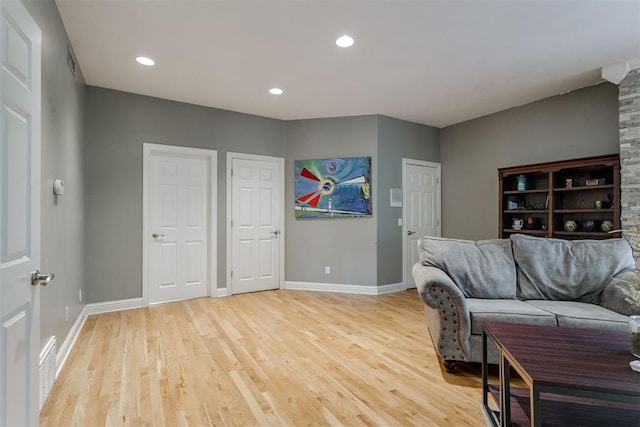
[522, 182]
[634, 330]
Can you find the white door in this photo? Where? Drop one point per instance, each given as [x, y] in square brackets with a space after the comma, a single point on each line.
[20, 41]
[177, 233]
[256, 223]
[421, 209]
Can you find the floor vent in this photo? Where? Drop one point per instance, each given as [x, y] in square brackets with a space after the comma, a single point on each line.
[47, 369]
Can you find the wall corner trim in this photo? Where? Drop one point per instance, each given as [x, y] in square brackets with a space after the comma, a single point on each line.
[615, 73]
[345, 289]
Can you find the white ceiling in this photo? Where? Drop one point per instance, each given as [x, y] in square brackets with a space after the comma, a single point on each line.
[431, 62]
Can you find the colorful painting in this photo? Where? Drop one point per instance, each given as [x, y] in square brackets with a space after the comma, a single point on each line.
[333, 188]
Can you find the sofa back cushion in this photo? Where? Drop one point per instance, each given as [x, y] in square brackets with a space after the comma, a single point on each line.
[481, 269]
[568, 270]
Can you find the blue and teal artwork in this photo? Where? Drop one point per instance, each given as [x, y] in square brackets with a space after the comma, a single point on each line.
[333, 188]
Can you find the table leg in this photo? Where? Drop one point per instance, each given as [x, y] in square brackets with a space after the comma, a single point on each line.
[505, 391]
[490, 413]
[485, 372]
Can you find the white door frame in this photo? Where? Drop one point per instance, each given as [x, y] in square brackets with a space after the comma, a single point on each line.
[438, 167]
[211, 156]
[278, 160]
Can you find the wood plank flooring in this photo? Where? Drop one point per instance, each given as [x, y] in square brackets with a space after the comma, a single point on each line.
[274, 358]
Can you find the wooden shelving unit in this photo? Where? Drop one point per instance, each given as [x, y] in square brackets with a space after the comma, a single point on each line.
[557, 192]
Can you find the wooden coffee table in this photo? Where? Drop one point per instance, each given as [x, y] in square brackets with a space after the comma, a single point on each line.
[573, 377]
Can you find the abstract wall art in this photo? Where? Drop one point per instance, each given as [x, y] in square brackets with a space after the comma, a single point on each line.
[333, 188]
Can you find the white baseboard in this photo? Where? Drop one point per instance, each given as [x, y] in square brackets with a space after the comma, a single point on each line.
[70, 340]
[345, 289]
[221, 292]
[110, 306]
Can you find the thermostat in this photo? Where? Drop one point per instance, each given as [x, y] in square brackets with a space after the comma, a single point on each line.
[58, 187]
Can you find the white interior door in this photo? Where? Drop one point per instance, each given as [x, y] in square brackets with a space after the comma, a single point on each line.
[256, 223]
[421, 209]
[20, 46]
[179, 220]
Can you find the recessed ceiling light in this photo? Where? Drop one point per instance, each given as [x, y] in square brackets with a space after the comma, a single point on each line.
[344, 41]
[275, 91]
[145, 61]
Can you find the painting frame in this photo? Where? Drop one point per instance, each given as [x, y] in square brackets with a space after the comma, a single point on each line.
[338, 187]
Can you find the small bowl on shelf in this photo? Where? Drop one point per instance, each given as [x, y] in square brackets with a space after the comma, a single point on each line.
[606, 226]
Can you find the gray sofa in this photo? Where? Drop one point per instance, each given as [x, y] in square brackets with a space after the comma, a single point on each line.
[523, 279]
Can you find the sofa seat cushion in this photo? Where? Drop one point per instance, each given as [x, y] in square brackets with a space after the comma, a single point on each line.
[481, 269]
[568, 270]
[508, 311]
[572, 314]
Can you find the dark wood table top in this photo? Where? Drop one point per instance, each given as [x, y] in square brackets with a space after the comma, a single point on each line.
[579, 359]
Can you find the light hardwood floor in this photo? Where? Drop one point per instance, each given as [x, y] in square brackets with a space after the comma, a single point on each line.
[274, 358]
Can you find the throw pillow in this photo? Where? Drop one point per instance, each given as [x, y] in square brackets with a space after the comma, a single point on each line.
[481, 269]
[568, 270]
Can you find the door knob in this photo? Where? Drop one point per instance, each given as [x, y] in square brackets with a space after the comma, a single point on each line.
[275, 233]
[156, 235]
[41, 279]
[409, 233]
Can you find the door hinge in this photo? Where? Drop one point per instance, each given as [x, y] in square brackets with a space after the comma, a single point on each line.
[437, 180]
[231, 273]
[231, 172]
[232, 223]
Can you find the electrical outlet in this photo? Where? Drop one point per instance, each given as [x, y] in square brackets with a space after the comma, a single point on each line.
[327, 269]
[66, 314]
[79, 295]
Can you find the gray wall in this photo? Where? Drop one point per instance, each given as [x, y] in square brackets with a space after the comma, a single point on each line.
[63, 219]
[578, 124]
[117, 124]
[347, 245]
[397, 139]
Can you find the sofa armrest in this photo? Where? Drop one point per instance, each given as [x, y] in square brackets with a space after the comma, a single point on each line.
[446, 310]
[612, 296]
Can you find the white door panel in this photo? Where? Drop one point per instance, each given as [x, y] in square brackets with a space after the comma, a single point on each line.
[20, 47]
[256, 212]
[179, 221]
[421, 210]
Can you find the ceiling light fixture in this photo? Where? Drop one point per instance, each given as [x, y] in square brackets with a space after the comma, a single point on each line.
[145, 61]
[276, 91]
[344, 41]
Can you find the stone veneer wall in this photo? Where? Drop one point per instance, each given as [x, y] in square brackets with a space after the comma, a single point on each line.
[629, 113]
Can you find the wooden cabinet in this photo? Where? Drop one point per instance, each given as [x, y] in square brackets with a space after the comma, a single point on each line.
[567, 199]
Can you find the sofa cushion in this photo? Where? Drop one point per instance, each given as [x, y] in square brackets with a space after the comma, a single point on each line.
[572, 314]
[567, 270]
[508, 311]
[481, 269]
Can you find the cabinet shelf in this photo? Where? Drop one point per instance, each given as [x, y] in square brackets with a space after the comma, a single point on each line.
[578, 211]
[546, 188]
[584, 188]
[585, 233]
[534, 191]
[525, 231]
[528, 211]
